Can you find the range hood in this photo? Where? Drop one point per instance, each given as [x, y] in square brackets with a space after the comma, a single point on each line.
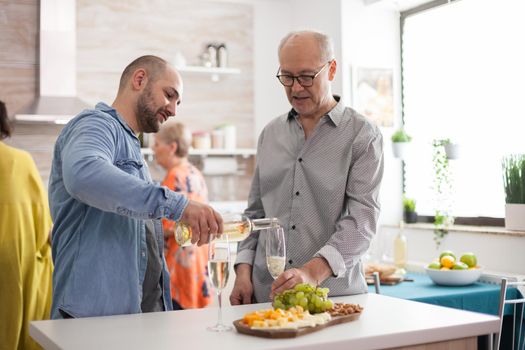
[57, 102]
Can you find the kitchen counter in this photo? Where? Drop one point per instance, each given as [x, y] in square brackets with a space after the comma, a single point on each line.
[386, 322]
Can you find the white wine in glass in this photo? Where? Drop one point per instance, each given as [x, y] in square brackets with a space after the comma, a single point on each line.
[219, 273]
[219, 259]
[275, 251]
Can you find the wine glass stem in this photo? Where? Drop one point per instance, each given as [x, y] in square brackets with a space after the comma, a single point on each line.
[219, 294]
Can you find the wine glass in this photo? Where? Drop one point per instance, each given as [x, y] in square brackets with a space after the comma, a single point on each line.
[219, 259]
[275, 251]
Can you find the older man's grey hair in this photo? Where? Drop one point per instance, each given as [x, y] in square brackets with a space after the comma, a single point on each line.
[326, 46]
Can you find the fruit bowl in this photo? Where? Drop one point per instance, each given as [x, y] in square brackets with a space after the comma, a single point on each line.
[454, 277]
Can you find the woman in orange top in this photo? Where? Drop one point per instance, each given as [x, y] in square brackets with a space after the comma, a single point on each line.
[187, 265]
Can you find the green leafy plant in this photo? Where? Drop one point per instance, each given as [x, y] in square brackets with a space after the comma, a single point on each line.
[514, 178]
[409, 210]
[401, 136]
[443, 191]
[409, 204]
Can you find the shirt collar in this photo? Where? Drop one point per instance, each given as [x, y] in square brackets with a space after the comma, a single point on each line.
[335, 115]
[103, 107]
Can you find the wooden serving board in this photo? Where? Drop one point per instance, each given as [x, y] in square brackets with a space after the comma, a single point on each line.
[292, 333]
[388, 280]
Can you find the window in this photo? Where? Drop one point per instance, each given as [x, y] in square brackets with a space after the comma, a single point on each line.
[464, 79]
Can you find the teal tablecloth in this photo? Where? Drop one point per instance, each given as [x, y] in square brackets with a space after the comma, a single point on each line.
[478, 297]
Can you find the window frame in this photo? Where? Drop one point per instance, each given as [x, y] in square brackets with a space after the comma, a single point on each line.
[462, 220]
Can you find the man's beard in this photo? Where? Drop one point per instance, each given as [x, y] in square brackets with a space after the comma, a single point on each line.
[147, 116]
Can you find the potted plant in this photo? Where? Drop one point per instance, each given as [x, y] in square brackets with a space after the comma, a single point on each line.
[514, 183]
[452, 149]
[409, 210]
[400, 140]
[443, 218]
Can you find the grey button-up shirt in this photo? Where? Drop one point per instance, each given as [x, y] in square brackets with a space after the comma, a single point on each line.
[324, 191]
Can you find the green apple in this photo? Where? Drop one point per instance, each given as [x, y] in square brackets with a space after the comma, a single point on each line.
[469, 259]
[434, 265]
[460, 266]
[447, 252]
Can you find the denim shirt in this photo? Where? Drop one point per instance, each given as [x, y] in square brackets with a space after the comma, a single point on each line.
[101, 195]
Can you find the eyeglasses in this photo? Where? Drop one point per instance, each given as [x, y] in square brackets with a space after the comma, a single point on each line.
[303, 80]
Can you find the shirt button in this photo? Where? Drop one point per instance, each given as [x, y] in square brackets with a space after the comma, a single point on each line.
[293, 227]
[300, 160]
[143, 254]
[297, 193]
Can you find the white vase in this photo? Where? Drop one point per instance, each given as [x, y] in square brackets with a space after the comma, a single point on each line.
[452, 150]
[515, 217]
[400, 149]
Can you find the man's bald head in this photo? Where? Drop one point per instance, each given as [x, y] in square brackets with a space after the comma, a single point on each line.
[149, 91]
[322, 41]
[154, 66]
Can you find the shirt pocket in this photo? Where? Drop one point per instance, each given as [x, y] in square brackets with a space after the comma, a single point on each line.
[130, 166]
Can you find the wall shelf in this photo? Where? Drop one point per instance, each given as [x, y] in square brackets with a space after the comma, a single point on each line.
[214, 72]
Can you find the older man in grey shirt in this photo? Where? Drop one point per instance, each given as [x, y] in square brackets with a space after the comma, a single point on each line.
[319, 168]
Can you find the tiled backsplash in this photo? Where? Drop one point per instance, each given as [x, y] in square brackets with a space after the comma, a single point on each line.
[18, 53]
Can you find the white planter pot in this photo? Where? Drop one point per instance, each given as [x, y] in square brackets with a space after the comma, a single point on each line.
[515, 217]
[400, 149]
[452, 150]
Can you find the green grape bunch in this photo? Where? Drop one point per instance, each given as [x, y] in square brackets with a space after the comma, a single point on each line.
[313, 299]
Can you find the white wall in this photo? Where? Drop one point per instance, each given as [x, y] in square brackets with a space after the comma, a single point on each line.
[371, 39]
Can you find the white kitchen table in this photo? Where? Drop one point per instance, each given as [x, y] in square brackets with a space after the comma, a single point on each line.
[386, 322]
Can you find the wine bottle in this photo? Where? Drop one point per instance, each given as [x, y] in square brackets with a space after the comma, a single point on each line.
[236, 226]
[400, 248]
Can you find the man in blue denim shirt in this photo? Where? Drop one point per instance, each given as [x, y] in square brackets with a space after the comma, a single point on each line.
[107, 236]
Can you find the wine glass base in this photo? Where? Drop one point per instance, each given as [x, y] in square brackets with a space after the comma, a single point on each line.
[219, 328]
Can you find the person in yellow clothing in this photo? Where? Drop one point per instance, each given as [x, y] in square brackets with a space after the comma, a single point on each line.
[25, 252]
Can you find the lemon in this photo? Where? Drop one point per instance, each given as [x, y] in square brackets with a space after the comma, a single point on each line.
[447, 261]
[447, 252]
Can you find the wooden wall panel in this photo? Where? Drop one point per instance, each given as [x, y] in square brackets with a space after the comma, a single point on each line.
[18, 52]
[111, 34]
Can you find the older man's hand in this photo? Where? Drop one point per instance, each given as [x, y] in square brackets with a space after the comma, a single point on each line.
[203, 220]
[313, 272]
[288, 279]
